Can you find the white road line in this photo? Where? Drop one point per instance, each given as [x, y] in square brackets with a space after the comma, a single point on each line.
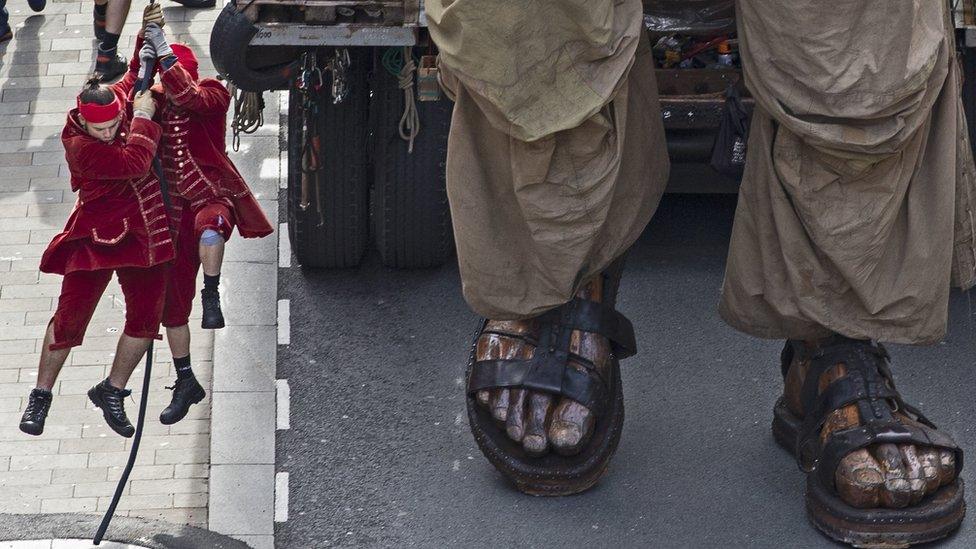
[270, 168]
[284, 322]
[284, 403]
[281, 497]
[283, 164]
[284, 246]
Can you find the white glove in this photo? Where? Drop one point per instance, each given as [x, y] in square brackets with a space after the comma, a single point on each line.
[143, 104]
[156, 37]
[147, 53]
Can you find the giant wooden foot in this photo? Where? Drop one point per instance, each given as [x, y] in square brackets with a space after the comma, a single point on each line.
[544, 398]
[879, 473]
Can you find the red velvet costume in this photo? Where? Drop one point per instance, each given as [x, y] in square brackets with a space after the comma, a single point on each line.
[119, 223]
[208, 191]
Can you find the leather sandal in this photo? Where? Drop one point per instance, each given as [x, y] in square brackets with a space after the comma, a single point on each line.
[549, 370]
[869, 385]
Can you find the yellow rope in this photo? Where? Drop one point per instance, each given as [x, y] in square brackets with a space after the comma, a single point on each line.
[248, 113]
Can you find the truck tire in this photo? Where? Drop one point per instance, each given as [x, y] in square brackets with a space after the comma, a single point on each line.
[411, 218]
[339, 237]
[249, 68]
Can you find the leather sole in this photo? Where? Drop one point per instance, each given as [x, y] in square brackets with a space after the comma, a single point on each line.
[195, 399]
[212, 325]
[32, 429]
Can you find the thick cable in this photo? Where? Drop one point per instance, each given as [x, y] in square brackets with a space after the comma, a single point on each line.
[143, 402]
[146, 73]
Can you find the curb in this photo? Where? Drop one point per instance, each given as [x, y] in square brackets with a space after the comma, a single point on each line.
[243, 415]
[154, 534]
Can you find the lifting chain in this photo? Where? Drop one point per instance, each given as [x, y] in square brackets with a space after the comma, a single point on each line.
[338, 66]
[309, 84]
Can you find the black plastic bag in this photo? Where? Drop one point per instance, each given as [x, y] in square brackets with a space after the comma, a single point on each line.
[729, 152]
[696, 17]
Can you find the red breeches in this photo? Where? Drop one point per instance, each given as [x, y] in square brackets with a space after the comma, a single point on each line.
[216, 216]
[144, 291]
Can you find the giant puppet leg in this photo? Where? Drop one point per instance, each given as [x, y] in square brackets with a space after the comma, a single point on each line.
[540, 227]
[853, 221]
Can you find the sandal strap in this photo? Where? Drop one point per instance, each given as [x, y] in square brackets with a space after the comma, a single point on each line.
[526, 338]
[841, 443]
[868, 384]
[548, 375]
[786, 356]
[549, 368]
[589, 316]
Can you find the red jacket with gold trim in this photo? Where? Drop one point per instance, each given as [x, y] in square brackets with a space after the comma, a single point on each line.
[119, 218]
[194, 121]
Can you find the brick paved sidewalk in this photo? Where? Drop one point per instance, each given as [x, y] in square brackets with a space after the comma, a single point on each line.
[74, 466]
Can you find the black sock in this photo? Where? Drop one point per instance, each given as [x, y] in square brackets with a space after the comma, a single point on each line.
[108, 385]
[183, 370]
[210, 283]
[109, 46]
[100, 10]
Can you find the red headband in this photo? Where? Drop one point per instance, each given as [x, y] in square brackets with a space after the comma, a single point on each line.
[97, 114]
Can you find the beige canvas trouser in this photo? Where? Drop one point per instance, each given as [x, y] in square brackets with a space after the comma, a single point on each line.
[556, 156]
[856, 209]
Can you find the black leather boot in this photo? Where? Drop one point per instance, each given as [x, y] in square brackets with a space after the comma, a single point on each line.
[186, 393]
[193, 4]
[112, 403]
[110, 69]
[38, 404]
[213, 318]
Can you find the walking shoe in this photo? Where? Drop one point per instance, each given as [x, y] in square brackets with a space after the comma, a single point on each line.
[112, 403]
[110, 69]
[186, 393]
[38, 404]
[37, 5]
[213, 318]
[98, 22]
[193, 4]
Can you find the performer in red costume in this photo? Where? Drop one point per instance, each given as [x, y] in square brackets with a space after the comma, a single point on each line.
[209, 198]
[119, 224]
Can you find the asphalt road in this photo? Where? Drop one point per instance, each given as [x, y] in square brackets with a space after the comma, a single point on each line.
[379, 452]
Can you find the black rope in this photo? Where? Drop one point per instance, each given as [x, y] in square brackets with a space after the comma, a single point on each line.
[143, 402]
[143, 85]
